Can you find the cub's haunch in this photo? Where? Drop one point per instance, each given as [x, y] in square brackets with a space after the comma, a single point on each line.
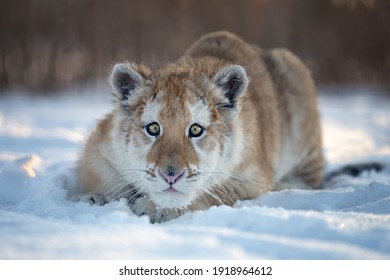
[226, 122]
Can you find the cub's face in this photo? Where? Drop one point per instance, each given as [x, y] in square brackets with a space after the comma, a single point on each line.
[175, 129]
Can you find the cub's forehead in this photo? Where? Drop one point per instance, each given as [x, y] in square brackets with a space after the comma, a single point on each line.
[176, 108]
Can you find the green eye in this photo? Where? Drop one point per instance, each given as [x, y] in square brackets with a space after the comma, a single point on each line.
[195, 130]
[153, 129]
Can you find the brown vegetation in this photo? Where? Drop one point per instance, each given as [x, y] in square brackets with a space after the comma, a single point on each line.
[47, 44]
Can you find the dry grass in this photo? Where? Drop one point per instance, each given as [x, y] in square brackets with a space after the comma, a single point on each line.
[47, 44]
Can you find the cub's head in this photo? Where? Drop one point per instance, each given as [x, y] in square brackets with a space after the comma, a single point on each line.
[175, 131]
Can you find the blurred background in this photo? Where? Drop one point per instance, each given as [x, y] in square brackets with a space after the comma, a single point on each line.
[47, 45]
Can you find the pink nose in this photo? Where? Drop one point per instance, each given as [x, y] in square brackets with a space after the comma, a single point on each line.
[171, 179]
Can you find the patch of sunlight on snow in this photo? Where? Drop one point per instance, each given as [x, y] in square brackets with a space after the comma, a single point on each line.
[342, 143]
[25, 165]
[29, 164]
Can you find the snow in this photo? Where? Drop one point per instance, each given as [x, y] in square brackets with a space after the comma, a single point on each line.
[40, 139]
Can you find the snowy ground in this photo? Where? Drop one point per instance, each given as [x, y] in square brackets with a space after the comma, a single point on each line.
[39, 143]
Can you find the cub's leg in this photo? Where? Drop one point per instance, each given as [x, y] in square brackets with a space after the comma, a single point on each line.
[301, 145]
[311, 169]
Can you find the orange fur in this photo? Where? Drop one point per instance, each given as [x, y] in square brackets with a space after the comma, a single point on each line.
[268, 134]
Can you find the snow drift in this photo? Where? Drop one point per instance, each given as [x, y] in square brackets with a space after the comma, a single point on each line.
[40, 139]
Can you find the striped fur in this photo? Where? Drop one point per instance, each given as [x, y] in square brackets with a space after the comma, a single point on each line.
[255, 112]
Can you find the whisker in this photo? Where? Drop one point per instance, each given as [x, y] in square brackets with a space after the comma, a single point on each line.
[205, 199]
[224, 192]
[139, 190]
[207, 189]
[122, 186]
[118, 176]
[135, 195]
[216, 188]
[118, 193]
[118, 186]
[213, 195]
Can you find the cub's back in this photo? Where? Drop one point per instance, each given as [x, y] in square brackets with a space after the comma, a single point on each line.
[282, 96]
[301, 145]
[259, 107]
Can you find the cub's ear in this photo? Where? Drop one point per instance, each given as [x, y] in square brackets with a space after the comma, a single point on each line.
[233, 82]
[126, 78]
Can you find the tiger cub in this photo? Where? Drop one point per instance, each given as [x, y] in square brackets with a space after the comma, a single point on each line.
[226, 122]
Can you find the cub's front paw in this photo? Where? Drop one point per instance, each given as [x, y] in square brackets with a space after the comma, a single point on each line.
[165, 214]
[144, 206]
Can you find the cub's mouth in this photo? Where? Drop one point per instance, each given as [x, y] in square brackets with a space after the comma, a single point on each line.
[170, 190]
[171, 187]
[171, 178]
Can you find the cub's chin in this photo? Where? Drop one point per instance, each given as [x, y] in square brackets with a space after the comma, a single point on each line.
[172, 200]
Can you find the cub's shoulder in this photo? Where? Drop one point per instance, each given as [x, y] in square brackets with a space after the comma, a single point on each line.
[284, 62]
[289, 73]
[223, 45]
